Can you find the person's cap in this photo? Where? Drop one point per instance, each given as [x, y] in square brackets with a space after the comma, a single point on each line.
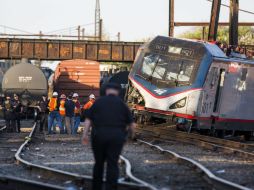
[62, 96]
[15, 95]
[55, 94]
[92, 96]
[75, 95]
[114, 86]
[44, 95]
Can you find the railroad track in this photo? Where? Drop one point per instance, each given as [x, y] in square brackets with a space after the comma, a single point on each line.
[75, 180]
[237, 165]
[9, 144]
[212, 181]
[165, 132]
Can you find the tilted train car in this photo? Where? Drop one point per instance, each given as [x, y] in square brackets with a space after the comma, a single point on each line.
[80, 76]
[194, 84]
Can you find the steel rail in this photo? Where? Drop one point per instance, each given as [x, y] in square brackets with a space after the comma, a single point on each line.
[20, 183]
[199, 140]
[132, 177]
[216, 182]
[80, 180]
[3, 128]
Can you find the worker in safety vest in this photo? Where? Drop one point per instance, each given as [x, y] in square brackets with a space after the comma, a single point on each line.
[54, 114]
[77, 112]
[62, 110]
[91, 101]
[87, 106]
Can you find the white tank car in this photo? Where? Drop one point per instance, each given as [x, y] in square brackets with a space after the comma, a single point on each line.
[194, 84]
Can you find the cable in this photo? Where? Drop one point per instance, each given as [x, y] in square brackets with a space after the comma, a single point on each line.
[242, 10]
[16, 29]
[69, 28]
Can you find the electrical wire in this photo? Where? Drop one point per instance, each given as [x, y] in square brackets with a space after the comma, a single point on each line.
[242, 10]
[15, 29]
[69, 28]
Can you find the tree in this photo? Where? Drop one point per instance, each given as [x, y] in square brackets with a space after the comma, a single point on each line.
[246, 34]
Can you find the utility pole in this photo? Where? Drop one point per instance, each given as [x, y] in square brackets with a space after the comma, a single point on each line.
[203, 33]
[171, 18]
[100, 30]
[214, 20]
[97, 28]
[233, 22]
[78, 29]
[40, 34]
[83, 33]
[118, 36]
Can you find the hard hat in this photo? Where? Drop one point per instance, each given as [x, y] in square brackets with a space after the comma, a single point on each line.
[55, 94]
[92, 96]
[75, 95]
[62, 96]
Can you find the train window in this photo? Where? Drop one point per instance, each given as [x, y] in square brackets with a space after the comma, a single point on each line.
[167, 71]
[160, 70]
[180, 70]
[149, 64]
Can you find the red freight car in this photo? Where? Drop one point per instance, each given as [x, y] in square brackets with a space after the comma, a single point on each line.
[80, 76]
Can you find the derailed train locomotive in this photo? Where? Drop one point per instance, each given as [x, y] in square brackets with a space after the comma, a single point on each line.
[193, 84]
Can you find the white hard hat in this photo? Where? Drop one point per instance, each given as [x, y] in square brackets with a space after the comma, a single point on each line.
[75, 95]
[62, 96]
[55, 94]
[92, 96]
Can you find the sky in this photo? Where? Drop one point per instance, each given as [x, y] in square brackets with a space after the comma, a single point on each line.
[134, 19]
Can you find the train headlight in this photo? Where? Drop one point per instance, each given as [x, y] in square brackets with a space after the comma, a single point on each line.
[179, 104]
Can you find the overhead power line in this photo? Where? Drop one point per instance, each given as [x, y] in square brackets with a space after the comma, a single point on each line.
[67, 29]
[242, 10]
[15, 29]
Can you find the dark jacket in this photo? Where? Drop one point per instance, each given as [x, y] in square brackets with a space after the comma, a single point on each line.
[17, 107]
[69, 108]
[8, 110]
[110, 112]
[43, 106]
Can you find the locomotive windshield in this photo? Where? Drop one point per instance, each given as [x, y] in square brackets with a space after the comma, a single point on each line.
[165, 70]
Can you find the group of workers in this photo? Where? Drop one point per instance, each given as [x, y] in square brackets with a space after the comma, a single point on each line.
[12, 110]
[64, 112]
[108, 118]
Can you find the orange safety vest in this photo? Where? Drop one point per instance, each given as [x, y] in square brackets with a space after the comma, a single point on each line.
[77, 109]
[88, 105]
[62, 108]
[52, 104]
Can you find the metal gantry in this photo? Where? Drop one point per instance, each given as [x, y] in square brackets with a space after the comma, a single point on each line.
[97, 30]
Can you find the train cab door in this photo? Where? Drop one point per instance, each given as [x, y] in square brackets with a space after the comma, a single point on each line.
[210, 97]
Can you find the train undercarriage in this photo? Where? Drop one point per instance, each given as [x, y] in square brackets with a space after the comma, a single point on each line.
[146, 116]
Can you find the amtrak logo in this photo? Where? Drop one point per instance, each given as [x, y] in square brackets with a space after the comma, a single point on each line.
[160, 91]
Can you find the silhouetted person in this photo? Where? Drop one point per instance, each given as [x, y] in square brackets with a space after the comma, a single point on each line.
[17, 110]
[77, 113]
[43, 112]
[69, 114]
[8, 114]
[110, 119]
